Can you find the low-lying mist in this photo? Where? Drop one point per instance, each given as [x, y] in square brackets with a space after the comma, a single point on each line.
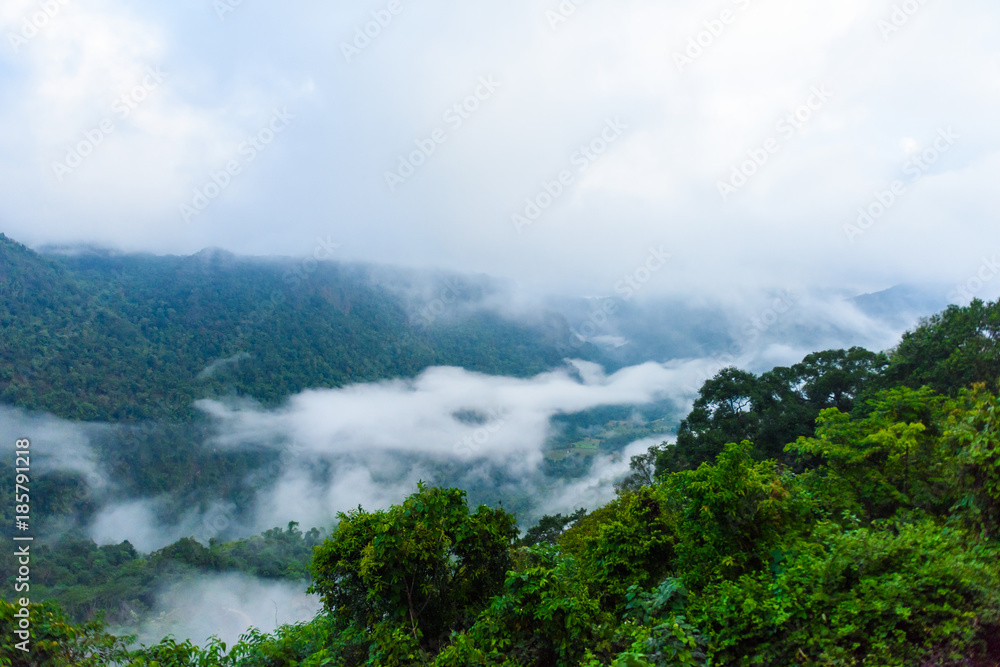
[325, 451]
[224, 606]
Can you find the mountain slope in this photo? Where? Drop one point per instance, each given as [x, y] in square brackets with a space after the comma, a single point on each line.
[97, 336]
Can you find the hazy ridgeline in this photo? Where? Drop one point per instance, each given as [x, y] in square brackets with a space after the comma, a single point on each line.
[214, 398]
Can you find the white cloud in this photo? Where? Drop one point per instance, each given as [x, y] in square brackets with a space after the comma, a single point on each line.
[420, 415]
[56, 444]
[226, 605]
[657, 185]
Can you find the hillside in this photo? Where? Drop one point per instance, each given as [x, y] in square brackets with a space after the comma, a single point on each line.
[120, 338]
[843, 511]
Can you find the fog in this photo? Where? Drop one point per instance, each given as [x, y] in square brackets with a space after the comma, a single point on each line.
[689, 127]
[225, 606]
[368, 445]
[56, 444]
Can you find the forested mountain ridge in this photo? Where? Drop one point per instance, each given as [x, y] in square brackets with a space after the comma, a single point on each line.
[100, 337]
[870, 538]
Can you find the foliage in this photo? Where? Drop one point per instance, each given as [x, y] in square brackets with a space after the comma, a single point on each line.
[975, 437]
[629, 542]
[734, 513]
[127, 338]
[427, 565]
[889, 460]
[549, 528]
[894, 594]
[119, 583]
[949, 352]
[840, 512]
[543, 616]
[668, 638]
[769, 410]
[54, 641]
[171, 653]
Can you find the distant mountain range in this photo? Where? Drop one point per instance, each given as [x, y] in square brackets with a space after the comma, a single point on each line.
[94, 335]
[90, 334]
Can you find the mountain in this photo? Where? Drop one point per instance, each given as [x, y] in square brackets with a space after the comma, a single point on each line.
[903, 303]
[93, 335]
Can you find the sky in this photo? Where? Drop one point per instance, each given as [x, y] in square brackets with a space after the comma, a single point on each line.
[563, 145]
[705, 148]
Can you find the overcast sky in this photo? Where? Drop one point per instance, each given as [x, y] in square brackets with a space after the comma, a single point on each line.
[310, 114]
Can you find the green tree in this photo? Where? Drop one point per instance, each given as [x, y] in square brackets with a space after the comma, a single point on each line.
[54, 641]
[974, 435]
[628, 542]
[549, 528]
[950, 351]
[733, 514]
[769, 410]
[427, 565]
[888, 460]
[544, 615]
[893, 595]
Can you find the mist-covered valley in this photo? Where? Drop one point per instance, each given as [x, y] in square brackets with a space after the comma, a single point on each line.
[536, 403]
[521, 334]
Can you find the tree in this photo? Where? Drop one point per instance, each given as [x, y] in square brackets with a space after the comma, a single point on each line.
[544, 615]
[949, 351]
[549, 528]
[769, 410]
[55, 641]
[889, 460]
[629, 541]
[975, 438]
[427, 565]
[733, 513]
[721, 414]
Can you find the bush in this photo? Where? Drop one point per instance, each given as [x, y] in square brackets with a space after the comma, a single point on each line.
[893, 594]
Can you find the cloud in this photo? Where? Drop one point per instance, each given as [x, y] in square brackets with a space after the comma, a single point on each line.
[423, 415]
[559, 83]
[225, 606]
[597, 488]
[369, 444]
[56, 444]
[140, 523]
[210, 370]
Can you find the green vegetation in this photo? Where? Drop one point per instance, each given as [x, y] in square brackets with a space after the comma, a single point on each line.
[120, 584]
[129, 338]
[580, 436]
[844, 512]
